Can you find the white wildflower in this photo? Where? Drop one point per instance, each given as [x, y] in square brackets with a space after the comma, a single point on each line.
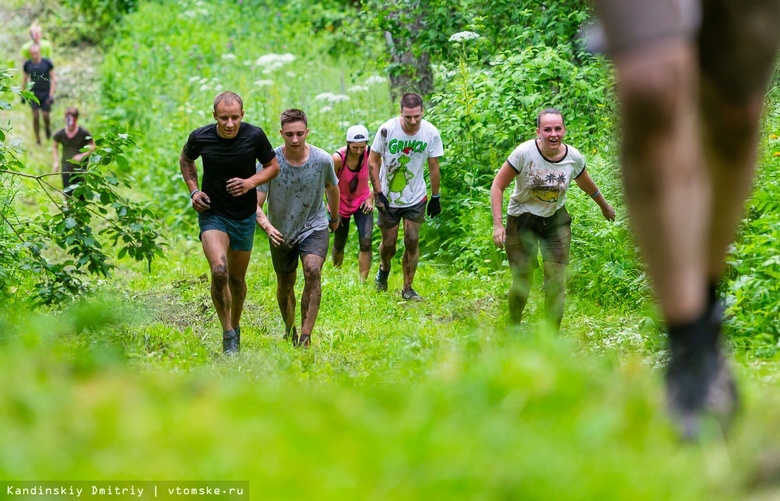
[193, 79]
[463, 35]
[229, 57]
[375, 79]
[326, 109]
[272, 58]
[263, 83]
[331, 97]
[358, 88]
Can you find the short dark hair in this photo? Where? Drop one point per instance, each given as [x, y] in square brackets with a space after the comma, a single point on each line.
[411, 100]
[549, 111]
[228, 97]
[72, 111]
[293, 115]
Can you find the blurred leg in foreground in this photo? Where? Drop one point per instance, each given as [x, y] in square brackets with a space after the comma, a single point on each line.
[691, 78]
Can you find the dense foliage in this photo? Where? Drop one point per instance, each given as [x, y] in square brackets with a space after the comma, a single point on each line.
[76, 22]
[53, 250]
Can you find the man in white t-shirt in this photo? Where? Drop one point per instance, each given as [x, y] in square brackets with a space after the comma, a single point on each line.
[401, 147]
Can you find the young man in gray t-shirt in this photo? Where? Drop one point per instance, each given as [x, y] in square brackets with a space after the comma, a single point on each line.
[297, 223]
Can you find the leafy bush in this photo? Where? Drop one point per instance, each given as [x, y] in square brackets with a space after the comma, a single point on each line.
[30, 261]
[753, 270]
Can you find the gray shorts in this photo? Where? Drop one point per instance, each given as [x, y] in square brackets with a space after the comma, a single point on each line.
[285, 258]
[391, 217]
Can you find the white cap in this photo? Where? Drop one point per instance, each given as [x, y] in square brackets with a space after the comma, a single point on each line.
[357, 134]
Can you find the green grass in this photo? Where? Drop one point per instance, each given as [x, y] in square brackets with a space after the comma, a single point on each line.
[395, 400]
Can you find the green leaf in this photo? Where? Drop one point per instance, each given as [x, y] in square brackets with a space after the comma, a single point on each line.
[121, 161]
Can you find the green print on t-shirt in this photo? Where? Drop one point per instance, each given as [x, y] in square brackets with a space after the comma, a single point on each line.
[395, 145]
[399, 178]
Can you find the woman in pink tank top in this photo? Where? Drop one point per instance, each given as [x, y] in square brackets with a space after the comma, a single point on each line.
[351, 163]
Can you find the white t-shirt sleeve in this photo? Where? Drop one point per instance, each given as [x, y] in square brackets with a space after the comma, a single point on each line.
[579, 163]
[517, 159]
[435, 148]
[379, 141]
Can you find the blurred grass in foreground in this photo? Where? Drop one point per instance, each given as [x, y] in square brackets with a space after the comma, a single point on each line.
[482, 412]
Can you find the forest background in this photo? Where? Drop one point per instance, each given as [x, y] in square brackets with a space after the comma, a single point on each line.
[109, 344]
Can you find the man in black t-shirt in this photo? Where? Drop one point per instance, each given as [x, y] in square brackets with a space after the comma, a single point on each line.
[73, 139]
[40, 71]
[227, 203]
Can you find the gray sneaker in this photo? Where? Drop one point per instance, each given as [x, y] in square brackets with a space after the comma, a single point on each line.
[410, 295]
[230, 343]
[381, 279]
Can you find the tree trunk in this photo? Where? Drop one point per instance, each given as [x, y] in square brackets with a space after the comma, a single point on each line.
[410, 70]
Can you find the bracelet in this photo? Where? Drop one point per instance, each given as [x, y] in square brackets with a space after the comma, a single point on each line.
[192, 193]
[598, 192]
[435, 196]
[332, 220]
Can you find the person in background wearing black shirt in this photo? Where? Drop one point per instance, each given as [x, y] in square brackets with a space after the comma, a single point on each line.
[227, 203]
[40, 71]
[73, 139]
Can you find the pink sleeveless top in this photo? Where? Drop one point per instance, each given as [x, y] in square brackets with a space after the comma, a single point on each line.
[350, 202]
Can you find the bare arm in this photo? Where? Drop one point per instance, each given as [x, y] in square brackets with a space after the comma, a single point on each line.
[375, 163]
[52, 83]
[586, 184]
[55, 165]
[263, 222]
[435, 174]
[333, 195]
[337, 164]
[237, 186]
[502, 180]
[200, 200]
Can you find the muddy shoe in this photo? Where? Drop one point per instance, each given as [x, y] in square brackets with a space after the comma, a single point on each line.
[304, 341]
[381, 279]
[699, 382]
[230, 343]
[291, 336]
[410, 295]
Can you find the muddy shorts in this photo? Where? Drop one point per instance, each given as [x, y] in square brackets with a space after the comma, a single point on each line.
[285, 258]
[527, 233]
[391, 217]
